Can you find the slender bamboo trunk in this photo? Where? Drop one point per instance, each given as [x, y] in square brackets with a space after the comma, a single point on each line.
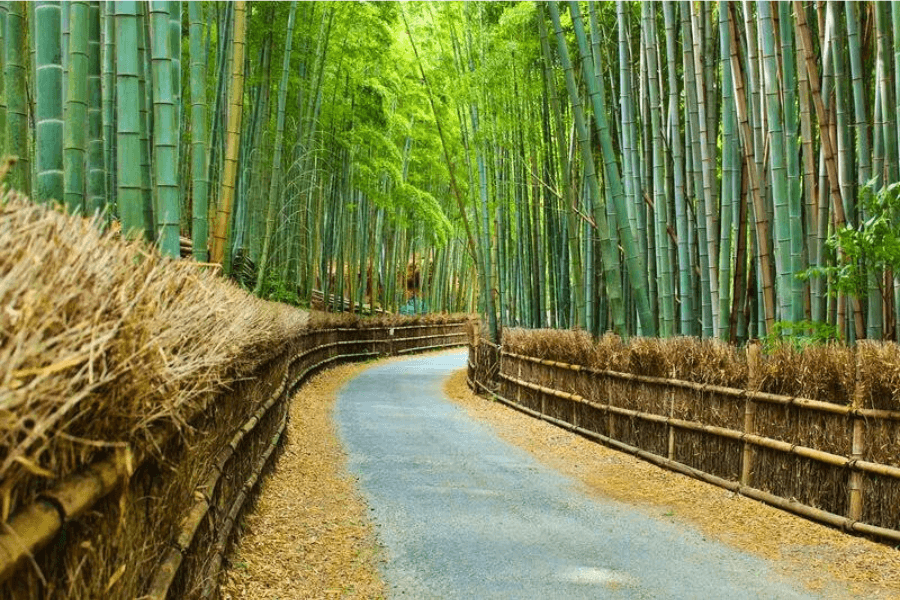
[96, 169]
[48, 103]
[226, 195]
[610, 258]
[199, 172]
[14, 70]
[165, 134]
[128, 135]
[274, 187]
[660, 202]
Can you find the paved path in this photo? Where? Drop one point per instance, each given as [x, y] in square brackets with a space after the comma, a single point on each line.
[463, 514]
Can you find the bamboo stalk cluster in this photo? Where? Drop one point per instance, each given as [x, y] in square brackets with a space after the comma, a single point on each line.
[291, 180]
[696, 159]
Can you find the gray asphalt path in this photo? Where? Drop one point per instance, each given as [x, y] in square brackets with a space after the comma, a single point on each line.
[463, 514]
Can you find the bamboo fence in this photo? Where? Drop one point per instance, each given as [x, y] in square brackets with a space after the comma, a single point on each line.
[828, 462]
[190, 558]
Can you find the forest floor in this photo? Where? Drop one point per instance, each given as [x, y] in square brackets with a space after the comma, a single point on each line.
[308, 535]
[824, 560]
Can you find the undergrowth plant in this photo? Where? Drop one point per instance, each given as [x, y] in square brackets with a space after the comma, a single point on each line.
[800, 334]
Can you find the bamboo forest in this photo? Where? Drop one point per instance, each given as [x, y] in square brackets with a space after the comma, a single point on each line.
[705, 169]
[420, 299]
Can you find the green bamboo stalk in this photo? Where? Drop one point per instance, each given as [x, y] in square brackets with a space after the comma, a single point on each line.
[660, 201]
[128, 132]
[792, 165]
[4, 11]
[279, 140]
[108, 89]
[834, 39]
[76, 108]
[199, 173]
[707, 158]
[19, 177]
[883, 57]
[165, 133]
[811, 192]
[145, 106]
[96, 177]
[48, 103]
[630, 160]
[775, 123]
[685, 264]
[175, 19]
[636, 268]
[895, 22]
[65, 16]
[731, 185]
[610, 258]
[698, 172]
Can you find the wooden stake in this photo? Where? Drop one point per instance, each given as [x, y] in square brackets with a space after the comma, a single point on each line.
[753, 381]
[855, 480]
[854, 483]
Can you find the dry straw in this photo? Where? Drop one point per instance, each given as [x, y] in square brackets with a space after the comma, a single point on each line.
[102, 341]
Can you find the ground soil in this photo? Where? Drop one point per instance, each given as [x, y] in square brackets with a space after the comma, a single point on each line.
[308, 535]
[824, 560]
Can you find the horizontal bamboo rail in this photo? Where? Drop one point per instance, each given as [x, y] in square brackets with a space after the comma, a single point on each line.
[854, 465]
[33, 527]
[765, 397]
[225, 533]
[165, 575]
[836, 460]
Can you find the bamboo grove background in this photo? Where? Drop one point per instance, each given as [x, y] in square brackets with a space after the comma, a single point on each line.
[661, 168]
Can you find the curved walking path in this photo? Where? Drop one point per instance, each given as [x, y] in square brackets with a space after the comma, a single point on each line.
[463, 514]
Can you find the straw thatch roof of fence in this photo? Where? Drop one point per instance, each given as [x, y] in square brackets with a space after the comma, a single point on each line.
[102, 340]
[864, 376]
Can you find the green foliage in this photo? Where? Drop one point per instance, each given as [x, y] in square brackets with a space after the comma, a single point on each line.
[873, 244]
[800, 334]
[276, 289]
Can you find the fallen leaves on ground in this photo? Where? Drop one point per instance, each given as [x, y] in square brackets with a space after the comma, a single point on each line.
[308, 535]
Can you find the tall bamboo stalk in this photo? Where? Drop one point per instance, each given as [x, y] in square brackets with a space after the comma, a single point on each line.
[274, 187]
[128, 125]
[48, 103]
[226, 195]
[16, 118]
[96, 168]
[610, 258]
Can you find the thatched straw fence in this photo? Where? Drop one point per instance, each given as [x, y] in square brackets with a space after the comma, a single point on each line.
[141, 400]
[815, 432]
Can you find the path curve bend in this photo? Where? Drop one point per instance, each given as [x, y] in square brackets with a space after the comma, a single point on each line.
[463, 514]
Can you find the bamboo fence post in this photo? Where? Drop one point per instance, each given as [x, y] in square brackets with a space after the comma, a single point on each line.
[575, 403]
[519, 387]
[854, 484]
[543, 403]
[610, 417]
[753, 381]
[671, 395]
